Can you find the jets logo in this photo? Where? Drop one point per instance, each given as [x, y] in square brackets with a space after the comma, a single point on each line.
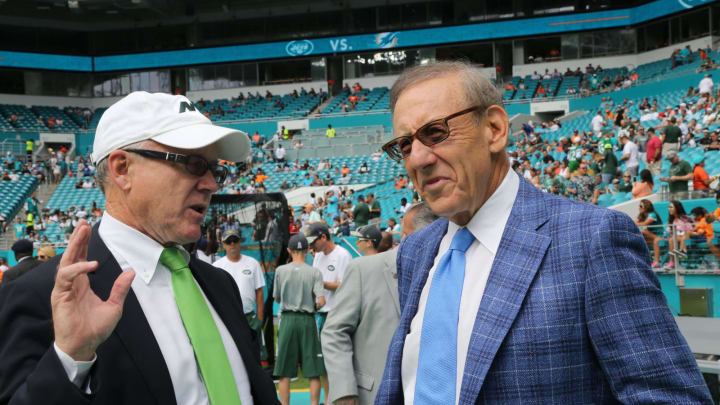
[331, 268]
[247, 272]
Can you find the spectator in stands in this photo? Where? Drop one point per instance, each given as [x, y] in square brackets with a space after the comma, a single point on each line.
[703, 230]
[671, 137]
[298, 144]
[630, 155]
[706, 85]
[701, 180]
[400, 182]
[364, 168]
[280, 153]
[330, 132]
[256, 139]
[404, 206]
[610, 166]
[570, 90]
[654, 153]
[374, 205]
[597, 123]
[361, 213]
[510, 87]
[651, 228]
[376, 156]
[581, 183]
[625, 183]
[680, 173]
[644, 187]
[535, 76]
[679, 232]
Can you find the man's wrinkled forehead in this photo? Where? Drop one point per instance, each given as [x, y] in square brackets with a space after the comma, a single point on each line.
[426, 101]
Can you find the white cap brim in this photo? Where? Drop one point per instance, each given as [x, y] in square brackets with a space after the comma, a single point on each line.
[233, 144]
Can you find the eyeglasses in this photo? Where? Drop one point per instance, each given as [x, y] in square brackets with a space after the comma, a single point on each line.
[232, 240]
[194, 164]
[429, 134]
[41, 257]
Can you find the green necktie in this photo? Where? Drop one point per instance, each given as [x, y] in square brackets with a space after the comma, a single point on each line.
[202, 331]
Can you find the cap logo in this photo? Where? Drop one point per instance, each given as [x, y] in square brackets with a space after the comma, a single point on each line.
[299, 246]
[187, 106]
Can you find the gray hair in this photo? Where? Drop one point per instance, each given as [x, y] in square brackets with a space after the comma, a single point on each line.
[102, 169]
[479, 90]
[423, 215]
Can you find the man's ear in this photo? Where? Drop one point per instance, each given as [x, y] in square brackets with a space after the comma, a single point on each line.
[497, 121]
[119, 169]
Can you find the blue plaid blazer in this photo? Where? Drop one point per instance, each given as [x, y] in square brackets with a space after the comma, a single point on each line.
[571, 314]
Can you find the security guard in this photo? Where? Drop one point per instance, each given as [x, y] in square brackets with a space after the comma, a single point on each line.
[29, 145]
[297, 286]
[330, 132]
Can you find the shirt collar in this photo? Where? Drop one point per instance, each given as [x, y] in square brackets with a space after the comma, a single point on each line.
[133, 249]
[488, 223]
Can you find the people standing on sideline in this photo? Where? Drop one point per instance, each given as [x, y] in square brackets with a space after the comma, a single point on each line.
[331, 260]
[250, 280]
[299, 291]
[23, 251]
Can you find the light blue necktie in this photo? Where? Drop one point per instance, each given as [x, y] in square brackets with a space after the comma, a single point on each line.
[437, 363]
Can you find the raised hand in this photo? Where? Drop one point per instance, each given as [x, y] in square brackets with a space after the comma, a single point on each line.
[81, 320]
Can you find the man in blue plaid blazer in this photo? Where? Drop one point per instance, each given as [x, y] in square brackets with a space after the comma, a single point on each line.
[558, 303]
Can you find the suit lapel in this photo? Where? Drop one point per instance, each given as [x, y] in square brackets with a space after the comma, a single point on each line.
[132, 329]
[519, 256]
[391, 279]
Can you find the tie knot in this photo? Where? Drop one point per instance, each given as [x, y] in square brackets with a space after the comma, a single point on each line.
[173, 259]
[462, 240]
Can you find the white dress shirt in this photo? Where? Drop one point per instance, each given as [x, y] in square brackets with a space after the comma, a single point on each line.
[487, 226]
[153, 288]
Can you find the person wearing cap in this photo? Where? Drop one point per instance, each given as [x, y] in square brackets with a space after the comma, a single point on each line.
[122, 317]
[514, 287]
[298, 288]
[680, 173]
[46, 253]
[359, 328]
[609, 169]
[23, 251]
[701, 179]
[332, 260]
[248, 276]
[368, 239]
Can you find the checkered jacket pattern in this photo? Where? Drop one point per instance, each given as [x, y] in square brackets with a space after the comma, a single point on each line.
[571, 314]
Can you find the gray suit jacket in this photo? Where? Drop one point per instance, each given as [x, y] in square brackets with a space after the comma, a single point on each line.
[358, 330]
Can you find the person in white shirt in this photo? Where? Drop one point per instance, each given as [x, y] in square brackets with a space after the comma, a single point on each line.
[181, 335]
[706, 85]
[597, 123]
[250, 280]
[280, 153]
[331, 260]
[630, 155]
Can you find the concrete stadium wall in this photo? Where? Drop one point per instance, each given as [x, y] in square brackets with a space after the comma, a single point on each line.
[355, 120]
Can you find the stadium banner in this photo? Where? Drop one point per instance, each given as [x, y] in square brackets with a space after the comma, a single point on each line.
[46, 61]
[399, 39]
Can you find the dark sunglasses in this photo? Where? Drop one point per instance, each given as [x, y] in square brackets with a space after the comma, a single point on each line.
[429, 134]
[232, 240]
[194, 164]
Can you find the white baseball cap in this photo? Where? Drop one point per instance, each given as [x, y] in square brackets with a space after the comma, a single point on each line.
[170, 120]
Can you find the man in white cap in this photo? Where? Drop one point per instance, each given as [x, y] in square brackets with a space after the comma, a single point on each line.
[125, 316]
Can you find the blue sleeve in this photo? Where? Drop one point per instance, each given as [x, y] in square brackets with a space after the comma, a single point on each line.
[640, 349]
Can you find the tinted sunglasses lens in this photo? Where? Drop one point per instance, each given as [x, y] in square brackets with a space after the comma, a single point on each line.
[232, 240]
[220, 173]
[196, 165]
[404, 147]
